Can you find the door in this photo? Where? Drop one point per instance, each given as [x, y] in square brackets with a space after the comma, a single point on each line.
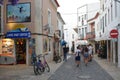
[20, 51]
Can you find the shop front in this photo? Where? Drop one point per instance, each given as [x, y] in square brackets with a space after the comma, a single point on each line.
[14, 47]
[7, 55]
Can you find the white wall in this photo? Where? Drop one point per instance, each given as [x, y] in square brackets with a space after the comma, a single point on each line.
[90, 10]
[113, 19]
[68, 35]
[38, 29]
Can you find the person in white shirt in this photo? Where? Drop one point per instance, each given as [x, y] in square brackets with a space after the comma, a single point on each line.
[77, 56]
[90, 52]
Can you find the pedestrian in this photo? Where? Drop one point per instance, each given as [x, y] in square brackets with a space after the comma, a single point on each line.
[72, 48]
[90, 51]
[86, 55]
[77, 56]
[65, 52]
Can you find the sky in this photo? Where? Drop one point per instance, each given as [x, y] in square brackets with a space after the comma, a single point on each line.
[68, 10]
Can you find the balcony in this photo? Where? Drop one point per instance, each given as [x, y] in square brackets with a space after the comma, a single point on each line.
[90, 35]
[82, 37]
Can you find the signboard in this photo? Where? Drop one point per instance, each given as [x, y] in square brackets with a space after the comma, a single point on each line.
[114, 33]
[18, 34]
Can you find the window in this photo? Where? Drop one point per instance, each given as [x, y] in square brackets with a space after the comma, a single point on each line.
[49, 44]
[79, 30]
[85, 16]
[111, 13]
[1, 19]
[108, 16]
[98, 27]
[79, 18]
[103, 23]
[72, 36]
[49, 20]
[105, 20]
[85, 29]
[82, 32]
[115, 8]
[103, 7]
[82, 21]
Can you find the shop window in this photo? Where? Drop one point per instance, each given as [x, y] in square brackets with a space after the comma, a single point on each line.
[7, 46]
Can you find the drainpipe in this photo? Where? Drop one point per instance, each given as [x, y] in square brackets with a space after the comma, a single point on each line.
[118, 40]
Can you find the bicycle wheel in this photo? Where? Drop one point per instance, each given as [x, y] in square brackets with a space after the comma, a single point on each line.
[39, 70]
[42, 69]
[59, 59]
[35, 68]
[47, 68]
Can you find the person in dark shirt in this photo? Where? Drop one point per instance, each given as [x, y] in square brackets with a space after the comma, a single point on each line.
[65, 52]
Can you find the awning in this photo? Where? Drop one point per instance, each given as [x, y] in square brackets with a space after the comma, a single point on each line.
[63, 42]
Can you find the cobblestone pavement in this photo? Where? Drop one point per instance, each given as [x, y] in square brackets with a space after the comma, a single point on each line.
[69, 71]
[110, 67]
[61, 71]
[23, 72]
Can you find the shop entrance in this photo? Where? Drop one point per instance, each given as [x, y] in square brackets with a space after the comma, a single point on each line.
[20, 51]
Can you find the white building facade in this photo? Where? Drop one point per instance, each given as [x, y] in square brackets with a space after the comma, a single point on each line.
[84, 13]
[70, 36]
[60, 30]
[109, 19]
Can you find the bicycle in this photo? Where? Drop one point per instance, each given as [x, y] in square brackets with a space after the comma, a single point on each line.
[44, 64]
[40, 66]
[36, 67]
[57, 59]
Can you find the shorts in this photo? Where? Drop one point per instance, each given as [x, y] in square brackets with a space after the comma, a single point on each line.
[86, 55]
[77, 58]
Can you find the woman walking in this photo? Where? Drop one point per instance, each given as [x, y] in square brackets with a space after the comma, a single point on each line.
[90, 51]
[86, 55]
[77, 56]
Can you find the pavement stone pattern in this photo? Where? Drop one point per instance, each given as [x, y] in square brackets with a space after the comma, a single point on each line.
[23, 72]
[110, 67]
[60, 71]
[69, 71]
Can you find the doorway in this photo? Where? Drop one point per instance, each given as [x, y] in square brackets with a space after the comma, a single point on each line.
[116, 52]
[20, 51]
[109, 56]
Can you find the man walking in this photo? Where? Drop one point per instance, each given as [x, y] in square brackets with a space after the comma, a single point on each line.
[65, 52]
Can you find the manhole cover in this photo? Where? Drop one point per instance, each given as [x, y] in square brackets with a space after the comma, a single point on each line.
[84, 77]
[68, 66]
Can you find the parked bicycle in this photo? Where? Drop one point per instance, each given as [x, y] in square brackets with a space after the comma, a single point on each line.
[40, 65]
[57, 58]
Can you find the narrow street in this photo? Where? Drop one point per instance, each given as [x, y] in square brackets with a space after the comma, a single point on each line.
[61, 71]
[40, 31]
[68, 71]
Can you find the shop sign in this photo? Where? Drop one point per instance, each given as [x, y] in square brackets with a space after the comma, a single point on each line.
[18, 34]
[114, 33]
